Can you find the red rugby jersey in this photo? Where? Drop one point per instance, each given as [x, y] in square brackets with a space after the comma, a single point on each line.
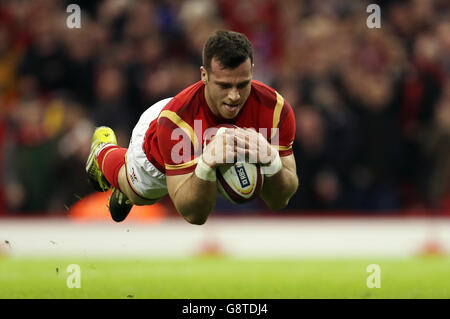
[174, 140]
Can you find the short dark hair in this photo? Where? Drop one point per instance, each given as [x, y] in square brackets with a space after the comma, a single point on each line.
[229, 48]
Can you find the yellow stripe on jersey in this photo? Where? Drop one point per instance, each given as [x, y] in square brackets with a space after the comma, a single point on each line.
[284, 148]
[183, 165]
[178, 121]
[277, 113]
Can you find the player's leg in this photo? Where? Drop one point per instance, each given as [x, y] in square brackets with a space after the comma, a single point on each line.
[108, 169]
[111, 159]
[103, 166]
[129, 192]
[139, 182]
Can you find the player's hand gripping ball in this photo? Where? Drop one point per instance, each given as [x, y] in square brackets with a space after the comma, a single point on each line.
[239, 182]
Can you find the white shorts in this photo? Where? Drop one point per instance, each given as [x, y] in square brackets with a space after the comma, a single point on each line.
[143, 177]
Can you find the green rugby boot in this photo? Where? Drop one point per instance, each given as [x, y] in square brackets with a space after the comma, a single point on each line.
[103, 135]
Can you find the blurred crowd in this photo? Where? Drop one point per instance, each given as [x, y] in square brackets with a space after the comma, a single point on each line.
[372, 105]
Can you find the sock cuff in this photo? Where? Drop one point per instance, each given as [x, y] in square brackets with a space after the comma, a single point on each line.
[103, 154]
[110, 160]
[103, 146]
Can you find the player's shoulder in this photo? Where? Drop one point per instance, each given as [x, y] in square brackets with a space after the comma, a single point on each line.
[185, 97]
[266, 95]
[183, 105]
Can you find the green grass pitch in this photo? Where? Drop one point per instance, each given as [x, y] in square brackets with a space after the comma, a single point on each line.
[224, 278]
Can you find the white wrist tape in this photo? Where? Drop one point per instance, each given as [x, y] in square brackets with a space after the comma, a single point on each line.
[274, 167]
[204, 171]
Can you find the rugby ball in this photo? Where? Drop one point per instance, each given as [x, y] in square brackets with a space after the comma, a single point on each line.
[240, 182]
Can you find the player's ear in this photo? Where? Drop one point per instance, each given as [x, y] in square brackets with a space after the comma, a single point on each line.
[204, 75]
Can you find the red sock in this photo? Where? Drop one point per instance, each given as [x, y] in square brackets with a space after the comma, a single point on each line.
[110, 160]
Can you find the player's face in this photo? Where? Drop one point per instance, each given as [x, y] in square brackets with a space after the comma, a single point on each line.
[227, 90]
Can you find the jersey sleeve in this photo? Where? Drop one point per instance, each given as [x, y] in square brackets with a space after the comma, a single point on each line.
[284, 124]
[287, 130]
[177, 143]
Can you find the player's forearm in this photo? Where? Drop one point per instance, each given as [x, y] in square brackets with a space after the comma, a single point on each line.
[279, 188]
[195, 199]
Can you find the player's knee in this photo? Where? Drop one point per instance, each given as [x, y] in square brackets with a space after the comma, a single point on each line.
[125, 187]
